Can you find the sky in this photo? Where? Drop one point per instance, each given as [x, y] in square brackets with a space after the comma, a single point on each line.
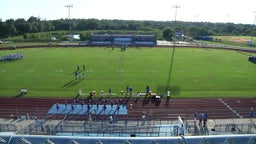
[225, 11]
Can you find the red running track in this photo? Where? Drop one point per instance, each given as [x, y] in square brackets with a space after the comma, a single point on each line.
[167, 109]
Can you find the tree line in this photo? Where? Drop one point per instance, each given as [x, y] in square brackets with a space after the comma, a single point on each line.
[163, 29]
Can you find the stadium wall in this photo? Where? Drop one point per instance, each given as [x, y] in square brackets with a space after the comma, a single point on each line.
[214, 139]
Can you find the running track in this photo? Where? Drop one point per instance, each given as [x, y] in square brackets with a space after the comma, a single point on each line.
[167, 109]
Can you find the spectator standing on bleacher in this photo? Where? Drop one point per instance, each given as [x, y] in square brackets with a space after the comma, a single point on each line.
[119, 101]
[110, 119]
[97, 105]
[112, 104]
[181, 131]
[251, 113]
[195, 116]
[88, 106]
[72, 107]
[143, 119]
[105, 100]
[118, 108]
[131, 106]
[201, 115]
[205, 119]
[57, 107]
[104, 107]
[66, 104]
[82, 104]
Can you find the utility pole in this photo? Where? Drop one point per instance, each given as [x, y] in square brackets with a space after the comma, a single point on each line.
[253, 28]
[69, 22]
[175, 28]
[174, 46]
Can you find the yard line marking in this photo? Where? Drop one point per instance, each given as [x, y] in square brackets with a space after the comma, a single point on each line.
[3, 70]
[231, 108]
[58, 71]
[30, 70]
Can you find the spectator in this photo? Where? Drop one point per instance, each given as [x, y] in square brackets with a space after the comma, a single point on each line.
[82, 105]
[110, 119]
[205, 119]
[251, 114]
[104, 107]
[88, 106]
[181, 130]
[57, 106]
[195, 116]
[97, 105]
[66, 104]
[143, 118]
[201, 118]
[72, 107]
[112, 104]
[117, 108]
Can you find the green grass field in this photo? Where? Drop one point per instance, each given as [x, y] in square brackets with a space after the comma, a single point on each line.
[49, 72]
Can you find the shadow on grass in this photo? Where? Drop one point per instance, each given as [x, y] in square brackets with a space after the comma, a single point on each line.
[254, 62]
[71, 83]
[19, 95]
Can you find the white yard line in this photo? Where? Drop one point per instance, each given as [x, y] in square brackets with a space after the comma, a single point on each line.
[231, 109]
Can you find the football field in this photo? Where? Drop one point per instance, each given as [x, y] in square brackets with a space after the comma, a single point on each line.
[61, 72]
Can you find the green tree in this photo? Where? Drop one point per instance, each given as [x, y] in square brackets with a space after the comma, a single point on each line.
[25, 36]
[168, 33]
[84, 36]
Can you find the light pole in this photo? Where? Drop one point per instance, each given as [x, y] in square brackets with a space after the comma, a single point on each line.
[253, 27]
[174, 46]
[176, 7]
[69, 23]
[227, 24]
